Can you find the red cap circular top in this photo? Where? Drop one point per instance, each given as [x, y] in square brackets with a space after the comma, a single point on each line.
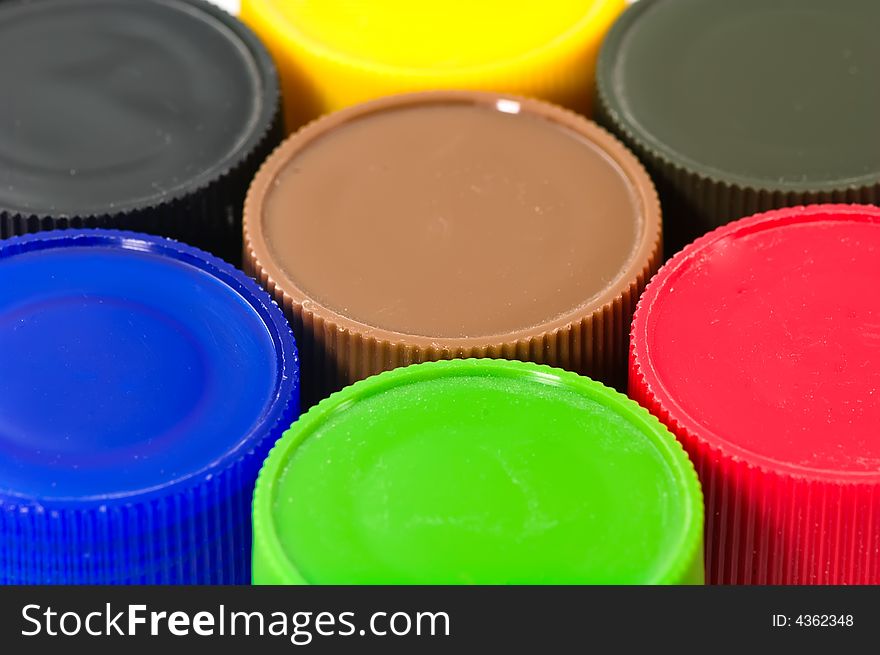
[759, 346]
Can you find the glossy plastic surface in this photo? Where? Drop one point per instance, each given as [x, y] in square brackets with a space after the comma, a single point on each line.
[759, 347]
[478, 472]
[136, 373]
[333, 53]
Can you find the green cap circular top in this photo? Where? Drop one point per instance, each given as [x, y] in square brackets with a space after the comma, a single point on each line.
[477, 472]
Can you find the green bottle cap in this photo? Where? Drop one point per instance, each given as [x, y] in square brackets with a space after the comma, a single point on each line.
[478, 472]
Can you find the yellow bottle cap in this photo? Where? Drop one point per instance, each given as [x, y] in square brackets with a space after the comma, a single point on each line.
[335, 53]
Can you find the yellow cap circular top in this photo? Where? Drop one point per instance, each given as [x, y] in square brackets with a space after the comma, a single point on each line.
[335, 53]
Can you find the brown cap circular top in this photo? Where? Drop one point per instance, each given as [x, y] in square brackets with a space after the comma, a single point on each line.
[446, 224]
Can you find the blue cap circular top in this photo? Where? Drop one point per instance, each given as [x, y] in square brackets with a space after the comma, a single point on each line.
[142, 383]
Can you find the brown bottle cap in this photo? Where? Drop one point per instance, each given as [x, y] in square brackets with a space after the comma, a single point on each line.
[453, 224]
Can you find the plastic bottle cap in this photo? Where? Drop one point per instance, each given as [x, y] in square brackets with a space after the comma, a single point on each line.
[736, 107]
[150, 115]
[142, 382]
[477, 472]
[478, 224]
[334, 53]
[758, 347]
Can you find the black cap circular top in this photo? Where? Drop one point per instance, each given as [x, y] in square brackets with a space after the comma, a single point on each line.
[142, 114]
[742, 106]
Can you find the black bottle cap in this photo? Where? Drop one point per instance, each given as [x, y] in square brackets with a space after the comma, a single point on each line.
[740, 107]
[148, 115]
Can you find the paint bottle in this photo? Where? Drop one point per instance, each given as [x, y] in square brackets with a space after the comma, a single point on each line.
[478, 472]
[741, 107]
[453, 224]
[142, 383]
[758, 347]
[335, 53]
[150, 116]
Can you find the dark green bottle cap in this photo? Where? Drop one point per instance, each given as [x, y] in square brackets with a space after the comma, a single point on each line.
[739, 107]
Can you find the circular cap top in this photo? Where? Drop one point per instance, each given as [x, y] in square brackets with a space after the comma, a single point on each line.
[762, 93]
[762, 339]
[450, 36]
[452, 218]
[131, 364]
[477, 471]
[111, 106]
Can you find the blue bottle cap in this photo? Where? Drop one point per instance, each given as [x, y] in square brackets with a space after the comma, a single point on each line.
[142, 383]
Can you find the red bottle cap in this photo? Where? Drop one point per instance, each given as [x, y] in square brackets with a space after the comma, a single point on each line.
[759, 347]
